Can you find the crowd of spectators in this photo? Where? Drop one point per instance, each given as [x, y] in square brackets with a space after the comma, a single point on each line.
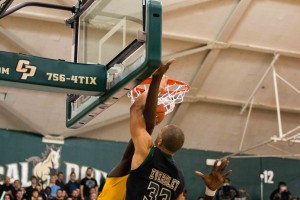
[85, 189]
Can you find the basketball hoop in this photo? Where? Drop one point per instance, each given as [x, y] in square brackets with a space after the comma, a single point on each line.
[172, 94]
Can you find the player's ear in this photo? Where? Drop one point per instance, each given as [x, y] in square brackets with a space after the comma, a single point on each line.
[159, 140]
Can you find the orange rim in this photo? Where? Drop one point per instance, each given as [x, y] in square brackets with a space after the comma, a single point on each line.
[170, 82]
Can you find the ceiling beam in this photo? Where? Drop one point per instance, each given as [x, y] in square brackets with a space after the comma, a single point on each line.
[187, 99]
[279, 149]
[195, 50]
[18, 42]
[176, 36]
[233, 102]
[39, 16]
[234, 45]
[182, 4]
[22, 120]
[206, 66]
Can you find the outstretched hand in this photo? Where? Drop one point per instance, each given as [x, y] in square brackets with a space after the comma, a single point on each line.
[215, 178]
[163, 68]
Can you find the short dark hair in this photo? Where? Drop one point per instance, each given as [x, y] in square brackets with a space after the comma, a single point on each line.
[18, 190]
[33, 177]
[35, 190]
[281, 183]
[58, 190]
[172, 138]
[89, 168]
[60, 173]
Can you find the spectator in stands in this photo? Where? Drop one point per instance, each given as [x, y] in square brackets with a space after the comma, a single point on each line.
[72, 184]
[7, 187]
[53, 186]
[226, 191]
[64, 194]
[35, 194]
[30, 188]
[242, 195]
[59, 195]
[75, 195]
[7, 197]
[92, 190]
[39, 189]
[93, 196]
[47, 194]
[87, 183]
[19, 194]
[281, 193]
[59, 181]
[40, 198]
[17, 186]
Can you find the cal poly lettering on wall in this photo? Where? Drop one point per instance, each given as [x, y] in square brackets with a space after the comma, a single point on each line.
[16, 171]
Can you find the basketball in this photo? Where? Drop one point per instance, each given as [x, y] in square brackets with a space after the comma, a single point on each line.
[160, 113]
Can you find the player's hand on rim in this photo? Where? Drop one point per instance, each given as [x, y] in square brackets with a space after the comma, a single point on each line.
[163, 68]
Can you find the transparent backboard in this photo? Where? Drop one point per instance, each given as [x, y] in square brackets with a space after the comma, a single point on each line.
[111, 33]
[106, 29]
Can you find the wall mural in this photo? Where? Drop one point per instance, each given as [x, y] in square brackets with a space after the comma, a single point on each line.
[47, 165]
[24, 154]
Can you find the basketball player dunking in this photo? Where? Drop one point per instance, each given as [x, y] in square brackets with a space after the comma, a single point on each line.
[115, 186]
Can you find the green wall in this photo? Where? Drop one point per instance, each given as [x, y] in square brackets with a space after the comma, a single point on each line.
[16, 147]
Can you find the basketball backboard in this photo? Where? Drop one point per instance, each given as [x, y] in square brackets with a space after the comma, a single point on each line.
[124, 36]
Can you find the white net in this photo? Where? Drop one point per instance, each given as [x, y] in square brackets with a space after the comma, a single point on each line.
[173, 94]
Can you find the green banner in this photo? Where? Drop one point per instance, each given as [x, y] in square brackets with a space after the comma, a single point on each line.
[31, 72]
[21, 152]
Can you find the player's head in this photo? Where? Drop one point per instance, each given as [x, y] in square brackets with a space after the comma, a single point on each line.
[170, 138]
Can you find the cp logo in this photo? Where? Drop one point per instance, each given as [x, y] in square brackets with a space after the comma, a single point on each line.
[25, 68]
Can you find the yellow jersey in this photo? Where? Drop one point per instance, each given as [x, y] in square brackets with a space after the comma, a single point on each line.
[114, 189]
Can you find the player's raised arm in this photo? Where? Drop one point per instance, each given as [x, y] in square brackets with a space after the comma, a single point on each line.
[215, 178]
[142, 107]
[149, 115]
[152, 97]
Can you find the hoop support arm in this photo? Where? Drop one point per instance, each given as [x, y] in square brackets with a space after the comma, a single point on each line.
[38, 4]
